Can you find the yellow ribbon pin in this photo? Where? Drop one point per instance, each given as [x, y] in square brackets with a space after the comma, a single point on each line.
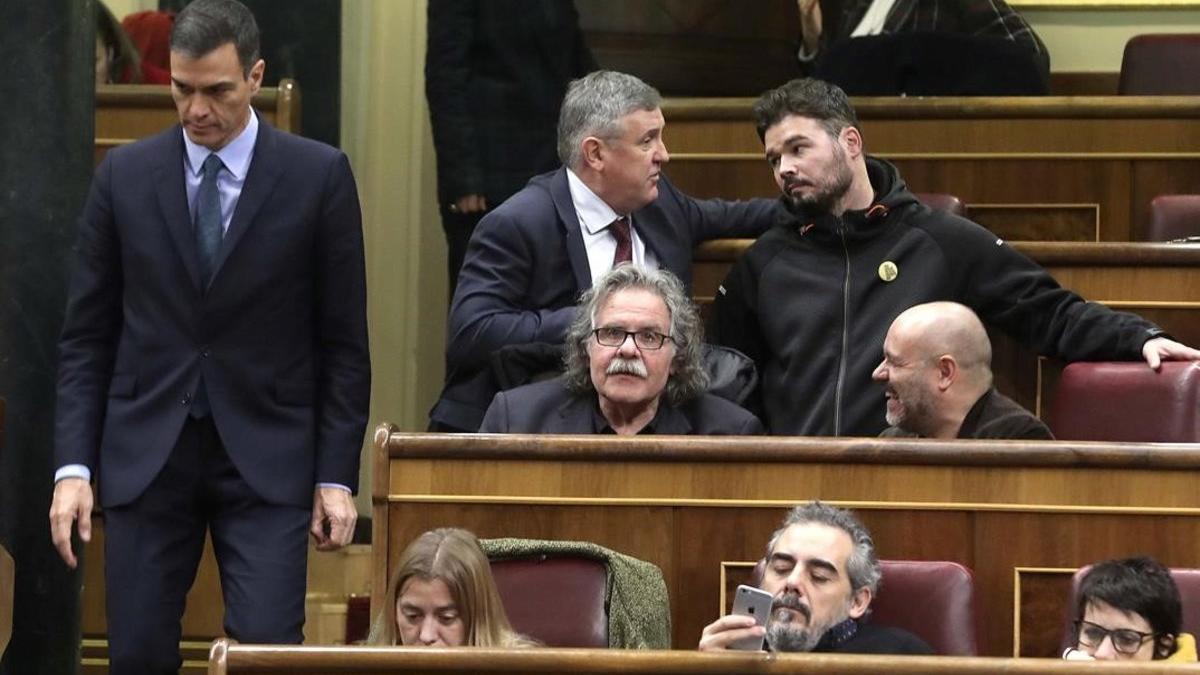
[888, 270]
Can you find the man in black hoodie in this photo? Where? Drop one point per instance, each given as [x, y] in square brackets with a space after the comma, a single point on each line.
[811, 301]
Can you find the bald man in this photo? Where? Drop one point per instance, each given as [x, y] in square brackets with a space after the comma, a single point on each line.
[937, 376]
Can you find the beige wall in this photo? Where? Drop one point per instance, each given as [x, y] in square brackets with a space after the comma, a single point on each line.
[1093, 40]
[385, 131]
[120, 8]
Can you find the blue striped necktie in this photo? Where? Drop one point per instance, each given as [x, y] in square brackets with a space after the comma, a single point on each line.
[208, 242]
[208, 218]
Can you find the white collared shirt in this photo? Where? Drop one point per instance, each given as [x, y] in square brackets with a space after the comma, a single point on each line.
[236, 156]
[595, 215]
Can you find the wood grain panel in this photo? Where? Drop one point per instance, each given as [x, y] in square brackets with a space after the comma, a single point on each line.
[127, 112]
[1039, 222]
[1041, 596]
[264, 659]
[692, 505]
[1116, 152]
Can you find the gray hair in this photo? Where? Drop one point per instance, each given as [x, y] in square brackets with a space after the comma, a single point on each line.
[205, 25]
[862, 567]
[594, 105]
[688, 378]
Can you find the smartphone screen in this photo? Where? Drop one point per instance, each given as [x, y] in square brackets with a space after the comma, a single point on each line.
[755, 603]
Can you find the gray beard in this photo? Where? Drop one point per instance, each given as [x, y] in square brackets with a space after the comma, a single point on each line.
[783, 636]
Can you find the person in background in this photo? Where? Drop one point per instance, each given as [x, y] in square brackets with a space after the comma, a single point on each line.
[495, 74]
[118, 60]
[633, 366]
[824, 22]
[811, 301]
[150, 32]
[822, 570]
[937, 376]
[609, 203]
[442, 594]
[1129, 609]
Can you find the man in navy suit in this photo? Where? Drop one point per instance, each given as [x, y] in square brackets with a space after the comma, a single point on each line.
[529, 260]
[213, 365]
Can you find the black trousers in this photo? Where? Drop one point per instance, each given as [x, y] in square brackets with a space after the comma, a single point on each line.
[153, 547]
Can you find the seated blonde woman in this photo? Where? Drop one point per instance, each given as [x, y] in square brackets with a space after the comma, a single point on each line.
[442, 595]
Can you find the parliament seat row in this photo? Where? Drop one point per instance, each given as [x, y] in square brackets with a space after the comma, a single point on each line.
[1160, 64]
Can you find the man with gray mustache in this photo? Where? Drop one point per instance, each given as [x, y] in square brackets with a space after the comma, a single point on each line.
[821, 567]
[633, 366]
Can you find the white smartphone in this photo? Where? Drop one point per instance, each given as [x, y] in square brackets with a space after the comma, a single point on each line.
[756, 604]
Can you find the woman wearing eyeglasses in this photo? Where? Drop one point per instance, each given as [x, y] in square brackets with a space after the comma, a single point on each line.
[1130, 609]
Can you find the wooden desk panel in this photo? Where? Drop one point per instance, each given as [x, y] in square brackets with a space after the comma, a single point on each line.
[226, 658]
[1108, 153]
[127, 112]
[691, 504]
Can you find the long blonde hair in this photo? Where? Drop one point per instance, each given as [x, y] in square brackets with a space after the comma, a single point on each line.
[453, 556]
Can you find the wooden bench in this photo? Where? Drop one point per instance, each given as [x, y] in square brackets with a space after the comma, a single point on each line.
[1022, 515]
[231, 659]
[1051, 168]
[127, 112]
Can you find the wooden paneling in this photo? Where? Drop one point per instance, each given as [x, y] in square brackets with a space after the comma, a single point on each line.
[1039, 222]
[127, 112]
[1041, 596]
[692, 505]
[1112, 152]
[232, 658]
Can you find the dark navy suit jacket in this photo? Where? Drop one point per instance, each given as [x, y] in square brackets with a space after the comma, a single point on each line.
[279, 334]
[548, 407]
[527, 264]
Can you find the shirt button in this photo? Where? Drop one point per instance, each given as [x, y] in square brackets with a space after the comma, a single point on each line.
[204, 353]
[187, 399]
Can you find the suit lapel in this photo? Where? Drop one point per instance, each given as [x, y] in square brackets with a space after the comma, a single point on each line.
[560, 192]
[260, 182]
[657, 237]
[169, 185]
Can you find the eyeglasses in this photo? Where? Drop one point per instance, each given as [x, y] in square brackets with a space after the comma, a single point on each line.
[612, 336]
[1124, 640]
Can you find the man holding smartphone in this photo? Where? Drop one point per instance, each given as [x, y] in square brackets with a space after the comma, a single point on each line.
[822, 572]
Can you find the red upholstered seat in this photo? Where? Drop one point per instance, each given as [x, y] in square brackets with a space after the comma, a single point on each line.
[558, 601]
[1160, 64]
[1128, 402]
[932, 599]
[942, 201]
[1173, 217]
[1188, 581]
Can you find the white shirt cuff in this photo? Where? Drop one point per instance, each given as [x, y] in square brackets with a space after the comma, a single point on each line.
[329, 485]
[73, 471]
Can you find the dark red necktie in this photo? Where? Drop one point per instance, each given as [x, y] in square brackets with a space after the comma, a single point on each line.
[620, 232]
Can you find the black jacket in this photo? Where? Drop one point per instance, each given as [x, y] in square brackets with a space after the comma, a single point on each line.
[809, 303]
[548, 407]
[994, 415]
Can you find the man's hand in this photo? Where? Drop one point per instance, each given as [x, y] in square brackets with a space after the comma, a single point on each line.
[336, 507]
[72, 502]
[810, 25]
[720, 633]
[1161, 349]
[472, 203]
